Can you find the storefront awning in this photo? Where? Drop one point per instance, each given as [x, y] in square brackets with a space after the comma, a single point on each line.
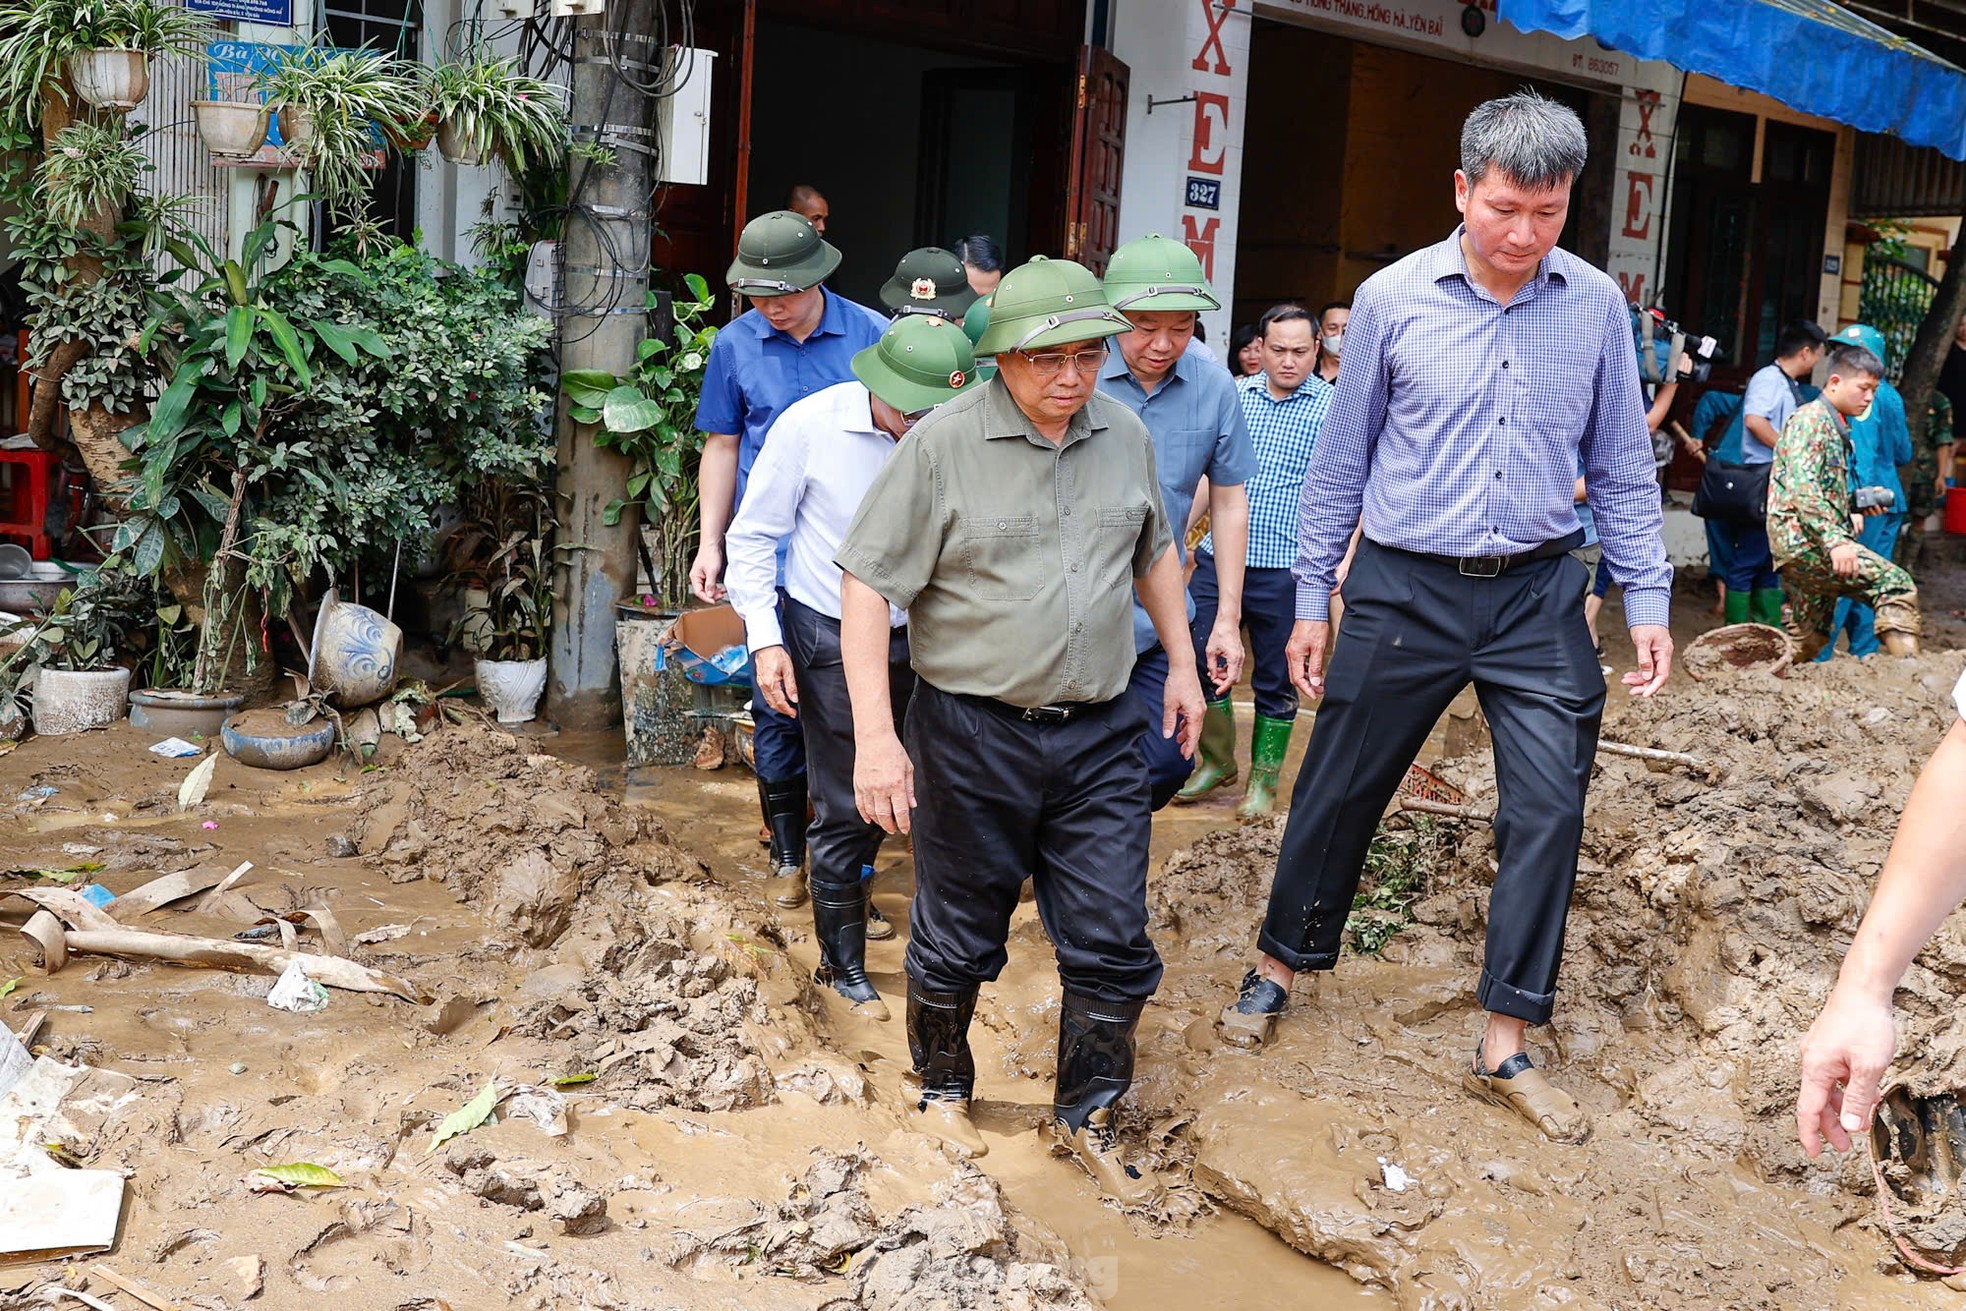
[1812, 55]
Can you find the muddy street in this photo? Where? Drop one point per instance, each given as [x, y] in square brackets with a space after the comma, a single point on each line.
[682, 1119]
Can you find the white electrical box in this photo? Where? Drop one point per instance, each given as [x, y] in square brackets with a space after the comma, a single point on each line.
[574, 8]
[515, 9]
[682, 119]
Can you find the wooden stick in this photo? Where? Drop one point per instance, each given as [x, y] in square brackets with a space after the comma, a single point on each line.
[1426, 807]
[223, 954]
[1652, 753]
[148, 1296]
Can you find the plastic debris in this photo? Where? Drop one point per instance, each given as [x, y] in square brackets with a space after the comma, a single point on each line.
[97, 894]
[41, 793]
[176, 747]
[294, 991]
[1397, 1180]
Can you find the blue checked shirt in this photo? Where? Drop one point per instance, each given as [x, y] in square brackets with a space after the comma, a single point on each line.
[1459, 422]
[1284, 433]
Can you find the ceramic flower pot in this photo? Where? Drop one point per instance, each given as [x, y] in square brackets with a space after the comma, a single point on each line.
[13, 721]
[455, 146]
[231, 129]
[263, 739]
[511, 688]
[412, 136]
[173, 713]
[72, 701]
[356, 653]
[110, 79]
[296, 129]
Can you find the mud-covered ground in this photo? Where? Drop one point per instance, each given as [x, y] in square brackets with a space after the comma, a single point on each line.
[742, 1141]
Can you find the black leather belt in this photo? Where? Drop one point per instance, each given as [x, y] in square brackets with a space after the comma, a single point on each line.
[1063, 713]
[1494, 566]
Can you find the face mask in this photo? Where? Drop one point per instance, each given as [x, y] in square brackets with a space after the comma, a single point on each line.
[1334, 344]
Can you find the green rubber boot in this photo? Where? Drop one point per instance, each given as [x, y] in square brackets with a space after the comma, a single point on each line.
[1217, 766]
[1266, 753]
[1737, 607]
[1765, 606]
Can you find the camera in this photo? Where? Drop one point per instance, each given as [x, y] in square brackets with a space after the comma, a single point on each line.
[1660, 344]
[1875, 498]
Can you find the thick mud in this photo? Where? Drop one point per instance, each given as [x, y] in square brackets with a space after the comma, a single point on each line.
[685, 1120]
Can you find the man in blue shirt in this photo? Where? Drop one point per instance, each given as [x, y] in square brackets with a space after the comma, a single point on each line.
[1476, 371]
[1189, 406]
[796, 339]
[1880, 443]
[1754, 590]
[1284, 406]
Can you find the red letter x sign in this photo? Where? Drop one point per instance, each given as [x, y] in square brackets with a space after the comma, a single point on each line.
[1214, 18]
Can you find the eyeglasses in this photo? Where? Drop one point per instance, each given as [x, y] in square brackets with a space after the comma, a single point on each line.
[1049, 366]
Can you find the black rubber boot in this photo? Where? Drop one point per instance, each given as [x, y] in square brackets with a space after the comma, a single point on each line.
[786, 814]
[1095, 1068]
[839, 918]
[945, 1070]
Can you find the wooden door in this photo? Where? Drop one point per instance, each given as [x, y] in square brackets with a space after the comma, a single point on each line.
[1098, 152]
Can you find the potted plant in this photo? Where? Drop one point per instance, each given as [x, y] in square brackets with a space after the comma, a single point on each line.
[89, 172]
[487, 107]
[232, 129]
[77, 684]
[330, 103]
[506, 573]
[103, 47]
[172, 702]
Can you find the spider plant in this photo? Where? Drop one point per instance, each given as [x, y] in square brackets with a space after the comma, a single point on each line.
[489, 107]
[330, 103]
[90, 170]
[37, 37]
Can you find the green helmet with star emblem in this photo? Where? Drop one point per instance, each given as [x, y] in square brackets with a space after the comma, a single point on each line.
[920, 361]
[929, 281]
[1158, 274]
[780, 254]
[1048, 302]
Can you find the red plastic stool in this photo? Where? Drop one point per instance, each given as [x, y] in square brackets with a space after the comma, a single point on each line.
[27, 500]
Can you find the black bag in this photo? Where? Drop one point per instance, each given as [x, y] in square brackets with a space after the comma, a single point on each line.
[1733, 493]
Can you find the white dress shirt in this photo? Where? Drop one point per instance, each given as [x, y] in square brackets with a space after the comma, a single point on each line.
[818, 460]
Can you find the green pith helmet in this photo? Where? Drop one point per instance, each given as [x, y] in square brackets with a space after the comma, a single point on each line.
[1862, 334]
[1157, 274]
[920, 361]
[977, 319]
[929, 281]
[780, 254]
[1048, 302]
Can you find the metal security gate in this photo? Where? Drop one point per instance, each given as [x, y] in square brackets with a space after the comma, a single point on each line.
[1893, 299]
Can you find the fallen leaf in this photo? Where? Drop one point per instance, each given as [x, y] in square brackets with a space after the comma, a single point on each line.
[559, 1081]
[9, 986]
[302, 1174]
[474, 1113]
[192, 790]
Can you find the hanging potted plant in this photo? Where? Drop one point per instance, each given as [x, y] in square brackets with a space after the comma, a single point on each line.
[330, 104]
[232, 129]
[89, 171]
[103, 47]
[487, 107]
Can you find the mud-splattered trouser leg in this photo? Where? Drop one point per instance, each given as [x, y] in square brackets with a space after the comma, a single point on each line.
[1814, 587]
[1416, 632]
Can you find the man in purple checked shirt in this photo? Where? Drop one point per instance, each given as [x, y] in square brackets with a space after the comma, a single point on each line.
[1477, 372]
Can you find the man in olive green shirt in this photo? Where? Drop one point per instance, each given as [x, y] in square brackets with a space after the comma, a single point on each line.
[1014, 524]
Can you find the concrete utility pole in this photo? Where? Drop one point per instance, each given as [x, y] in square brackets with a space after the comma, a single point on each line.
[605, 260]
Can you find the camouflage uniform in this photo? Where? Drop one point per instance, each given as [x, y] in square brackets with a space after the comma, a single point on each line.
[1809, 509]
[1921, 493]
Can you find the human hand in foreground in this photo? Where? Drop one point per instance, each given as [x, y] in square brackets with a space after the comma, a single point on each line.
[1843, 559]
[1304, 654]
[772, 668]
[1653, 643]
[1182, 707]
[1844, 1056]
[706, 571]
[884, 783]
[1225, 654]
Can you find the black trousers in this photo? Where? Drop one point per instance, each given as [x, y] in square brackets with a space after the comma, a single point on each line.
[838, 841]
[1269, 612]
[1000, 800]
[1416, 632]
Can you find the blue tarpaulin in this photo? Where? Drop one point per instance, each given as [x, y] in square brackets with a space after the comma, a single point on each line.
[1812, 55]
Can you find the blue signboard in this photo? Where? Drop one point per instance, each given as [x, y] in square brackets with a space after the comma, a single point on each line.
[275, 13]
[1204, 194]
[233, 69]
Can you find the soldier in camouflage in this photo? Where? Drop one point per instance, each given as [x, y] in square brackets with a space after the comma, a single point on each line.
[1810, 517]
[1925, 487]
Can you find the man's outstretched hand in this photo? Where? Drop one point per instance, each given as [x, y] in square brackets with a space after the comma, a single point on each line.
[1654, 646]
